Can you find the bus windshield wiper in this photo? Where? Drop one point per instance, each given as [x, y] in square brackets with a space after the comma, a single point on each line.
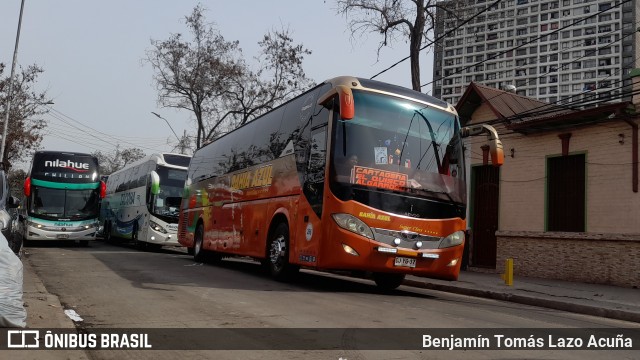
[421, 189]
[434, 143]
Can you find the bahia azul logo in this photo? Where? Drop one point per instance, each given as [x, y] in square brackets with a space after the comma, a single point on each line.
[68, 164]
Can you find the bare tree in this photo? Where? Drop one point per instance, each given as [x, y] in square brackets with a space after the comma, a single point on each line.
[395, 20]
[280, 77]
[117, 159]
[190, 73]
[25, 129]
[209, 76]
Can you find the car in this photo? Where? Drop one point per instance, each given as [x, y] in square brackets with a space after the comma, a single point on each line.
[7, 205]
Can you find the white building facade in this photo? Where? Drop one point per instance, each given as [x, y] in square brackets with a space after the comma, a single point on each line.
[575, 52]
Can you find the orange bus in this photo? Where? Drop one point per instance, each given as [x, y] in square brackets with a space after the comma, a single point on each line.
[352, 175]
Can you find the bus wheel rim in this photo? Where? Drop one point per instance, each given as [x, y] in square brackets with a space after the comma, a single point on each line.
[198, 244]
[278, 248]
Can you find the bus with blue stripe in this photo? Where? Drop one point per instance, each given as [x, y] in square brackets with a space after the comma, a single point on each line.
[142, 201]
[62, 197]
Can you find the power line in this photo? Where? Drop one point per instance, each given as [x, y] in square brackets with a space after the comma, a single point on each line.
[438, 39]
[59, 117]
[528, 42]
[579, 102]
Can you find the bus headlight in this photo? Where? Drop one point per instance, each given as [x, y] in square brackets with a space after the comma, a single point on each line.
[155, 226]
[353, 224]
[35, 225]
[454, 239]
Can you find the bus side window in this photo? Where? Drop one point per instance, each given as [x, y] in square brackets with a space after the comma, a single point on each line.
[315, 170]
[314, 179]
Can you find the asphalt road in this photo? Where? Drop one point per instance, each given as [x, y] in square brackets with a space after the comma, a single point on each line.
[117, 286]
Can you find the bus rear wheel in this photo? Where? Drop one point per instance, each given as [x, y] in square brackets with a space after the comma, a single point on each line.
[107, 232]
[388, 282]
[278, 255]
[198, 240]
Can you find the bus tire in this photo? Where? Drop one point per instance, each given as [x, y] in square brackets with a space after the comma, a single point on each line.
[140, 245]
[388, 282]
[107, 232]
[278, 254]
[198, 244]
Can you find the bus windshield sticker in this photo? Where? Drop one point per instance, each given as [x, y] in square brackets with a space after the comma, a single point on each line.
[380, 154]
[380, 178]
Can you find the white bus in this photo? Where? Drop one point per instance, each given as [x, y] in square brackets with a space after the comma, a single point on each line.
[143, 199]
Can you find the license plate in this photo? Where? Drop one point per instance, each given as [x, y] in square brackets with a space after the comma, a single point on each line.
[405, 262]
[63, 236]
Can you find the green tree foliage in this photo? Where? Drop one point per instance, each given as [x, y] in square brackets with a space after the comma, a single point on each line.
[25, 130]
[208, 76]
[117, 159]
[396, 20]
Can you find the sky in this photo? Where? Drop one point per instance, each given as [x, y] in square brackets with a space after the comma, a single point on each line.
[103, 94]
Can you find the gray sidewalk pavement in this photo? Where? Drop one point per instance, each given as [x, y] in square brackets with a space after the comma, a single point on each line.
[44, 310]
[590, 299]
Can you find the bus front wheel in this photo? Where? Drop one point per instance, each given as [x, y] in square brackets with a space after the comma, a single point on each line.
[388, 282]
[278, 256]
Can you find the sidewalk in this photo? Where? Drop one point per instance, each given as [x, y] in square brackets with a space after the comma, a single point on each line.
[590, 299]
[43, 311]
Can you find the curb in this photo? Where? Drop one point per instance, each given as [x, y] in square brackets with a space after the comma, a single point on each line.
[530, 300]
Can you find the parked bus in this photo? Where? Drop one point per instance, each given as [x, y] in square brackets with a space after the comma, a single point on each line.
[353, 175]
[143, 200]
[62, 195]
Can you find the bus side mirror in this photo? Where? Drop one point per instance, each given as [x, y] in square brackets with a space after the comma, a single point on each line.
[345, 95]
[496, 151]
[495, 145]
[154, 180]
[12, 202]
[103, 189]
[27, 187]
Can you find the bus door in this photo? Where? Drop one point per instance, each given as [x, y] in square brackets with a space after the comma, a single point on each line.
[309, 229]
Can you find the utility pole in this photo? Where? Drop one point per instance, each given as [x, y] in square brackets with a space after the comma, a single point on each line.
[10, 91]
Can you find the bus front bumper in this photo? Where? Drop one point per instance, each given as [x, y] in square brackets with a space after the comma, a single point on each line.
[35, 234]
[164, 239]
[376, 257]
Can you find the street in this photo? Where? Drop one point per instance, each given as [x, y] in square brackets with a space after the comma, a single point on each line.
[118, 286]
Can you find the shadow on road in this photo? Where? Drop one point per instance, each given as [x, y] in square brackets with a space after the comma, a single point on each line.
[172, 266]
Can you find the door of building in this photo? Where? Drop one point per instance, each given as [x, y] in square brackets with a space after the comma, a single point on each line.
[486, 185]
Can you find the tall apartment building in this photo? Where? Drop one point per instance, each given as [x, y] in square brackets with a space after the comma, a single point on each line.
[533, 45]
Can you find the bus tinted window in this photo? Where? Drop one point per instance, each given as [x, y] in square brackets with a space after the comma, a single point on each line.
[178, 160]
[266, 135]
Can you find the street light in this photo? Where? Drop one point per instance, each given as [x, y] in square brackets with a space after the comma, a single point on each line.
[10, 91]
[165, 120]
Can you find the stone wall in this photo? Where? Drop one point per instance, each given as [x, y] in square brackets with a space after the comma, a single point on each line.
[612, 259]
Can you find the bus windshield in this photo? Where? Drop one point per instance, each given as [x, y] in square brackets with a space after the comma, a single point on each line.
[395, 145]
[56, 204]
[171, 188]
